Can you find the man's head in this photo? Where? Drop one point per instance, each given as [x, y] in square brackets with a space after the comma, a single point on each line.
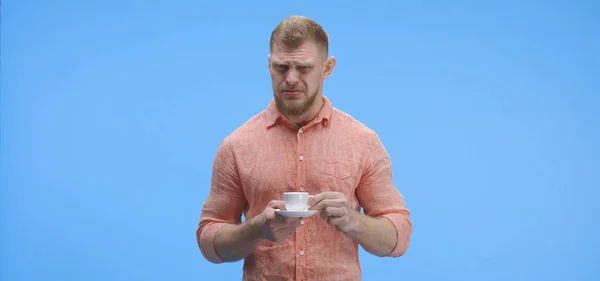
[298, 65]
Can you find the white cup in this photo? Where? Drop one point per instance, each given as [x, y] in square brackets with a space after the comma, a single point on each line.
[296, 201]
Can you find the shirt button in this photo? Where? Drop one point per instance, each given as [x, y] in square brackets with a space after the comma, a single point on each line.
[302, 253]
[301, 158]
[301, 221]
[301, 189]
[301, 131]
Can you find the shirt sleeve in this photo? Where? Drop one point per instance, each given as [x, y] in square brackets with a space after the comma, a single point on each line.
[380, 198]
[224, 204]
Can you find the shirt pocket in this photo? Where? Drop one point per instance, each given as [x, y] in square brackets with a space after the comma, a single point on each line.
[339, 176]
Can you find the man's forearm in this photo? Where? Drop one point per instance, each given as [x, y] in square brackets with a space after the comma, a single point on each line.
[377, 236]
[235, 242]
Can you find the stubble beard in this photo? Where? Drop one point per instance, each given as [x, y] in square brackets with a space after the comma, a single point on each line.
[294, 107]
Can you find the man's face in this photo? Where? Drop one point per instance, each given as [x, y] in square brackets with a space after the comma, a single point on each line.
[297, 76]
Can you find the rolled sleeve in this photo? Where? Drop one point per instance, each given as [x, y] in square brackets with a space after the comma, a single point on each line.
[224, 204]
[403, 231]
[379, 197]
[206, 241]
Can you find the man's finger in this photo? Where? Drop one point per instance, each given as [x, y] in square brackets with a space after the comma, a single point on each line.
[338, 202]
[332, 212]
[322, 196]
[334, 221]
[277, 204]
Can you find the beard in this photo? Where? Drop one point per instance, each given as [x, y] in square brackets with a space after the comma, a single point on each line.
[295, 107]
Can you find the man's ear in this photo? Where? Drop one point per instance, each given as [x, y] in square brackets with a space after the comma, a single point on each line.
[269, 61]
[329, 66]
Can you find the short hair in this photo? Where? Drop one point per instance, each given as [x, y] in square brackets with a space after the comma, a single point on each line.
[295, 30]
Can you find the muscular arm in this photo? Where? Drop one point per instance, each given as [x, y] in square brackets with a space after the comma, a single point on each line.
[385, 227]
[383, 235]
[235, 242]
[377, 235]
[221, 235]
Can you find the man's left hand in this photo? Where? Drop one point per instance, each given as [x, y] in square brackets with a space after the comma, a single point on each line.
[335, 208]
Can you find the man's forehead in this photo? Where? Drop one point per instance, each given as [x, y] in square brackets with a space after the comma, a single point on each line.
[291, 59]
[307, 52]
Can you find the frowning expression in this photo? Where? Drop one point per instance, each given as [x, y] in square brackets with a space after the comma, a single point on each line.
[297, 75]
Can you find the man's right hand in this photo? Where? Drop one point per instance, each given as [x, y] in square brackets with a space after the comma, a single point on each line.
[277, 228]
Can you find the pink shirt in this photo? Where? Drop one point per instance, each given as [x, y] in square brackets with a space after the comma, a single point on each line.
[267, 156]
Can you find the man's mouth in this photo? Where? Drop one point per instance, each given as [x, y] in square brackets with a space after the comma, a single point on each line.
[292, 93]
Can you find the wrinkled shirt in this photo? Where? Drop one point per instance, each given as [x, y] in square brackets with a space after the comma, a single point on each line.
[268, 155]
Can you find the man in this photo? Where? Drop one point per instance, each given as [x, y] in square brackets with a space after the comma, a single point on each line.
[301, 143]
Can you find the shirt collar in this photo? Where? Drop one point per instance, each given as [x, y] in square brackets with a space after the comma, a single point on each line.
[324, 116]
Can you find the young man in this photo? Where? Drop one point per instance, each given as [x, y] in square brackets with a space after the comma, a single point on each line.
[301, 143]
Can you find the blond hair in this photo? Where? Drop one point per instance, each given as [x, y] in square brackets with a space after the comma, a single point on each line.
[295, 30]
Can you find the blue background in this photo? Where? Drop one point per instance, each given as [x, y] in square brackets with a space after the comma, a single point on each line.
[111, 113]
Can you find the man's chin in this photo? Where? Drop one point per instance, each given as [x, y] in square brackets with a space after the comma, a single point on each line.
[295, 106]
[293, 102]
[290, 102]
[291, 108]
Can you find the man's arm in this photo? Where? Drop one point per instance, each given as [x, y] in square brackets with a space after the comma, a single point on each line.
[379, 235]
[221, 235]
[235, 242]
[376, 235]
[385, 227]
[220, 222]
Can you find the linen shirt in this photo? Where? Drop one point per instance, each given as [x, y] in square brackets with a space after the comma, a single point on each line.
[268, 155]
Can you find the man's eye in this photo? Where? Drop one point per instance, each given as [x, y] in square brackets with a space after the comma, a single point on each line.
[281, 67]
[304, 68]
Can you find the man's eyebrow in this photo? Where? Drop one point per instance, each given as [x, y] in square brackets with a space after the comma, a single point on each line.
[287, 62]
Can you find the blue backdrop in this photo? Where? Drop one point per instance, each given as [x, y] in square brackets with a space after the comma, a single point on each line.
[111, 112]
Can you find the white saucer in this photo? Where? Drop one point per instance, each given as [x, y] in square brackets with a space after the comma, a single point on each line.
[295, 214]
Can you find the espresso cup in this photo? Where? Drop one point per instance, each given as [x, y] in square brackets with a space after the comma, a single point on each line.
[295, 201]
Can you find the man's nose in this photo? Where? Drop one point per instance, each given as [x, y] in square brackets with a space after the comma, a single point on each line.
[292, 77]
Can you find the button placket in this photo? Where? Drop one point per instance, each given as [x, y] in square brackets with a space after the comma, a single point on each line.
[301, 158]
[300, 236]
